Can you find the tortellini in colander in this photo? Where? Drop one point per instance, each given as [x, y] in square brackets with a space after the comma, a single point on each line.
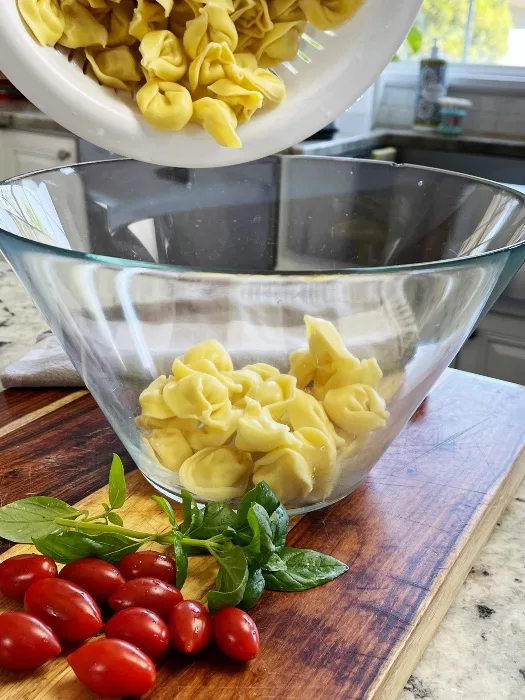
[221, 430]
[204, 61]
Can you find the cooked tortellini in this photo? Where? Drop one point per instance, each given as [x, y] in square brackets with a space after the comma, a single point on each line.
[170, 447]
[217, 474]
[199, 396]
[286, 472]
[204, 61]
[357, 409]
[221, 430]
[257, 431]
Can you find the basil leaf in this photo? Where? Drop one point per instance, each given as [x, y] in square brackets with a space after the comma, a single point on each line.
[261, 494]
[216, 519]
[112, 546]
[261, 547]
[253, 591]
[65, 547]
[117, 483]
[193, 515]
[115, 519]
[279, 522]
[275, 563]
[181, 559]
[167, 508]
[305, 569]
[32, 517]
[231, 579]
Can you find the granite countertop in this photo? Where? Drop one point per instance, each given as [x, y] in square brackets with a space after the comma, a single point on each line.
[24, 116]
[478, 652]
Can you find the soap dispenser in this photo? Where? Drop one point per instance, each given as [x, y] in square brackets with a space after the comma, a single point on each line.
[432, 86]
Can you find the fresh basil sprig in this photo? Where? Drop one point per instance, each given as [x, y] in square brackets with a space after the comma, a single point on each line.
[248, 545]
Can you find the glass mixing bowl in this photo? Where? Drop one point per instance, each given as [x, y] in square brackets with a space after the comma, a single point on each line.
[132, 264]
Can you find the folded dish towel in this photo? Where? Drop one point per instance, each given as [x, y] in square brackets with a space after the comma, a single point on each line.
[250, 325]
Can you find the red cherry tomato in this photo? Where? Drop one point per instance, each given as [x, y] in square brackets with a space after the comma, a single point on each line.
[18, 573]
[140, 627]
[148, 565]
[190, 627]
[25, 642]
[99, 578]
[150, 593]
[236, 634]
[70, 612]
[113, 668]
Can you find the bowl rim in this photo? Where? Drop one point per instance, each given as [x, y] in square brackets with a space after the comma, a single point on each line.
[462, 261]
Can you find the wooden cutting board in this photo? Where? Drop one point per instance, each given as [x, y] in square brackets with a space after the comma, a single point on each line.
[409, 535]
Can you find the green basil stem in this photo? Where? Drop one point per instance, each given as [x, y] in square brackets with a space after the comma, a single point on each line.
[96, 517]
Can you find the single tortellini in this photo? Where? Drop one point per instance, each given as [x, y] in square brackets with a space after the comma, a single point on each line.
[357, 409]
[202, 397]
[276, 393]
[185, 425]
[286, 472]
[217, 474]
[306, 412]
[320, 453]
[181, 370]
[209, 65]
[218, 119]
[246, 379]
[170, 446]
[116, 68]
[165, 105]
[257, 431]
[347, 373]
[214, 437]
[327, 349]
[147, 17]
[152, 402]
[302, 367]
[210, 350]
[247, 74]
[81, 29]
[244, 102]
[44, 18]
[117, 22]
[280, 44]
[255, 21]
[327, 15]
[212, 24]
[163, 56]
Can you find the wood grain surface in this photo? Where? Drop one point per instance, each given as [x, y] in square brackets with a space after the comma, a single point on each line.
[409, 534]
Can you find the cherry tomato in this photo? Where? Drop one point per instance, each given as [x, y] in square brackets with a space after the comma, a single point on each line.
[150, 593]
[113, 668]
[190, 627]
[99, 578]
[25, 642]
[148, 564]
[18, 573]
[68, 609]
[140, 627]
[236, 634]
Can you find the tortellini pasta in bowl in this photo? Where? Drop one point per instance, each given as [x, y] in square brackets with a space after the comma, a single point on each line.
[218, 430]
[212, 62]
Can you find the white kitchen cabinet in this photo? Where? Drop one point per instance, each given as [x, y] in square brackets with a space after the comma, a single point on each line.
[497, 349]
[25, 151]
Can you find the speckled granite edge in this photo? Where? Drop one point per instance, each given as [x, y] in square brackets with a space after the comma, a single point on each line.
[24, 116]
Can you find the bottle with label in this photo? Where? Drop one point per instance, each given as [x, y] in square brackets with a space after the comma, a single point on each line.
[431, 87]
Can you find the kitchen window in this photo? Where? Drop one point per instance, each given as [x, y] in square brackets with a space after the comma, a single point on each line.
[472, 32]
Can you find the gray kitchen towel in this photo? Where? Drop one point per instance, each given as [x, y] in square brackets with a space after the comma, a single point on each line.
[253, 326]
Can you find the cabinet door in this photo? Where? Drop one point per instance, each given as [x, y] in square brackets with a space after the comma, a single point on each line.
[497, 349]
[26, 151]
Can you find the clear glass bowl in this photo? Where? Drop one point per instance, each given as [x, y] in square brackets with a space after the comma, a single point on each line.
[131, 264]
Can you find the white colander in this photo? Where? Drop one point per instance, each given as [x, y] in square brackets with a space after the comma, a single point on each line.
[332, 70]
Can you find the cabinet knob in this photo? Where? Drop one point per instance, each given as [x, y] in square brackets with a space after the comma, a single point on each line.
[63, 154]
